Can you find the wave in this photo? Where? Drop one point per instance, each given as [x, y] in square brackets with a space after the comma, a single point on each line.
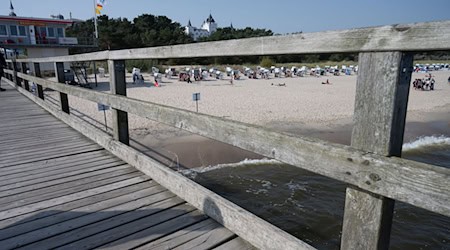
[246, 162]
[427, 141]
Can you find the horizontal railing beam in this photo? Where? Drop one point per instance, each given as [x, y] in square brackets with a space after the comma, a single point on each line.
[429, 36]
[235, 218]
[415, 183]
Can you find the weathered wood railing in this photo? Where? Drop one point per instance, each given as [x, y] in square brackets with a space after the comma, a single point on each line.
[370, 166]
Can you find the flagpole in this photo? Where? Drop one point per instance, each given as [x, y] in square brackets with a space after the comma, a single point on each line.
[95, 19]
[96, 39]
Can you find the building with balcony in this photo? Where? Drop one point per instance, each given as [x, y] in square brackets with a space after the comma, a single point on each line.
[39, 37]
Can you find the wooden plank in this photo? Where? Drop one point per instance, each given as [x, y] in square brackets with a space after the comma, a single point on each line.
[63, 170]
[33, 155]
[92, 56]
[208, 240]
[64, 215]
[398, 37]
[119, 87]
[167, 224]
[22, 138]
[379, 122]
[233, 217]
[14, 120]
[65, 218]
[49, 155]
[35, 187]
[22, 143]
[43, 148]
[235, 244]
[81, 227]
[53, 164]
[75, 196]
[83, 203]
[181, 236]
[24, 131]
[68, 190]
[71, 171]
[381, 102]
[57, 132]
[18, 126]
[415, 183]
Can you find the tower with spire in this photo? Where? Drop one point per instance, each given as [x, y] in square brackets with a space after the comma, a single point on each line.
[11, 7]
[210, 24]
[208, 27]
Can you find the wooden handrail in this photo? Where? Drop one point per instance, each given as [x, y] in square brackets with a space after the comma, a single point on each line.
[419, 184]
[406, 37]
[375, 179]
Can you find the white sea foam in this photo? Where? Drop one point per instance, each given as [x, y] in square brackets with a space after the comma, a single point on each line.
[246, 162]
[427, 141]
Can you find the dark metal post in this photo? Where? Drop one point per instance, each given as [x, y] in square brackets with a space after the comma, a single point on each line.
[37, 73]
[59, 70]
[25, 82]
[119, 87]
[15, 79]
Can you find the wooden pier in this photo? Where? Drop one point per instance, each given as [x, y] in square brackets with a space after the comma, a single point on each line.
[371, 166]
[59, 189]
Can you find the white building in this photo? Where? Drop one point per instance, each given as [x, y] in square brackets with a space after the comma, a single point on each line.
[39, 37]
[209, 26]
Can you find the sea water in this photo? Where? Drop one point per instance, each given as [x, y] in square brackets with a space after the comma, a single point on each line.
[311, 206]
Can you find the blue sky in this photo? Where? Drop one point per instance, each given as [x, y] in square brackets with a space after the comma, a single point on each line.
[283, 16]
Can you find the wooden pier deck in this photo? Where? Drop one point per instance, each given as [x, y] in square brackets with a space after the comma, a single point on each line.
[58, 189]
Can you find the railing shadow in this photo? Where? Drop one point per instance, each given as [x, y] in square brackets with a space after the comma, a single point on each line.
[109, 228]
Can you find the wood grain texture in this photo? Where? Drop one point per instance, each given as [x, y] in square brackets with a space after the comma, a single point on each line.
[236, 219]
[398, 37]
[419, 184]
[379, 122]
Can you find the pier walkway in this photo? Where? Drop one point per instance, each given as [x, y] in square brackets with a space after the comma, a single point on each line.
[58, 189]
[54, 192]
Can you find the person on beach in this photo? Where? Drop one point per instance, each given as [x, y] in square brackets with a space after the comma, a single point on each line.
[449, 80]
[327, 82]
[2, 65]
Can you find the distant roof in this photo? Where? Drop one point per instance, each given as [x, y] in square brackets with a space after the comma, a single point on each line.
[34, 19]
[210, 19]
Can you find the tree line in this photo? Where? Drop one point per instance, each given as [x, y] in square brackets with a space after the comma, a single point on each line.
[149, 31]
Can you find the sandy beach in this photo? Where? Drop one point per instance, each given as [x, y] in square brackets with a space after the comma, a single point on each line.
[304, 106]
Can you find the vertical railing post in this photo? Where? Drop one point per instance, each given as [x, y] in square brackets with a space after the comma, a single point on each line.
[119, 87]
[25, 82]
[37, 73]
[379, 121]
[14, 76]
[59, 70]
[9, 66]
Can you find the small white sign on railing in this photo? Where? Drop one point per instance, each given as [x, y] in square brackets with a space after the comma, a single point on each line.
[196, 98]
[102, 107]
